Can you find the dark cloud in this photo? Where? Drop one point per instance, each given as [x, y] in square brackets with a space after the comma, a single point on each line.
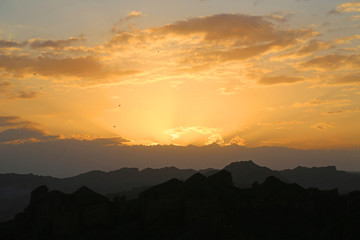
[27, 95]
[111, 141]
[39, 43]
[237, 36]
[11, 121]
[243, 29]
[10, 44]
[333, 11]
[24, 134]
[82, 67]
[342, 111]
[280, 80]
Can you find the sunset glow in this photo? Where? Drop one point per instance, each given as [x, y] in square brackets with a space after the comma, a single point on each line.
[251, 73]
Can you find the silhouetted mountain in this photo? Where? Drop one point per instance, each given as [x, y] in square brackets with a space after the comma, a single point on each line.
[199, 208]
[15, 188]
[15, 192]
[323, 178]
[246, 173]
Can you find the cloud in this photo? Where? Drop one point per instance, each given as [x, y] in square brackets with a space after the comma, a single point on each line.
[348, 79]
[41, 43]
[133, 38]
[111, 141]
[131, 15]
[280, 123]
[135, 14]
[27, 95]
[14, 121]
[317, 102]
[232, 37]
[4, 86]
[277, 17]
[313, 46]
[237, 141]
[346, 40]
[24, 134]
[355, 18]
[11, 44]
[322, 126]
[86, 68]
[242, 29]
[201, 135]
[342, 111]
[12, 94]
[280, 80]
[333, 62]
[348, 7]
[176, 133]
[197, 134]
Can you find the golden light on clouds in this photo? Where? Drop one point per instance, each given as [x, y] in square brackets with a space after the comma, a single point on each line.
[245, 77]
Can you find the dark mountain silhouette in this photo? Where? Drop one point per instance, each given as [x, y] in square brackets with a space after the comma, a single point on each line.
[15, 189]
[323, 178]
[199, 208]
[246, 173]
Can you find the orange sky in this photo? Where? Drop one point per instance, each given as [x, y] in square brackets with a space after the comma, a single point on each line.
[200, 72]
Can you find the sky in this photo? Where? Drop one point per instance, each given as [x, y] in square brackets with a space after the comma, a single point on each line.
[250, 73]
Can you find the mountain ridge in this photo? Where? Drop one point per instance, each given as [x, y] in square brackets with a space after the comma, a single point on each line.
[200, 207]
[15, 188]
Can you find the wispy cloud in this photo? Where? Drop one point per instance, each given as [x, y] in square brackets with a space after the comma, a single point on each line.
[90, 69]
[24, 134]
[11, 44]
[280, 123]
[333, 62]
[15, 121]
[341, 111]
[131, 15]
[349, 7]
[317, 102]
[322, 126]
[280, 80]
[58, 44]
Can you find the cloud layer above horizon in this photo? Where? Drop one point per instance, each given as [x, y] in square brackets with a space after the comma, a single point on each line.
[249, 73]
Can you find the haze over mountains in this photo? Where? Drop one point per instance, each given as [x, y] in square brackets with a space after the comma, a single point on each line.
[15, 188]
[70, 157]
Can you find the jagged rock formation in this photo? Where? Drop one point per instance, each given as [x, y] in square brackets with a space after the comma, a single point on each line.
[199, 208]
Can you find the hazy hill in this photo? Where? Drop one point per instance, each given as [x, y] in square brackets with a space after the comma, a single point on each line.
[199, 208]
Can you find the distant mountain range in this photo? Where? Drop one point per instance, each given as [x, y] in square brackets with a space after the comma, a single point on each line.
[15, 189]
[198, 208]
